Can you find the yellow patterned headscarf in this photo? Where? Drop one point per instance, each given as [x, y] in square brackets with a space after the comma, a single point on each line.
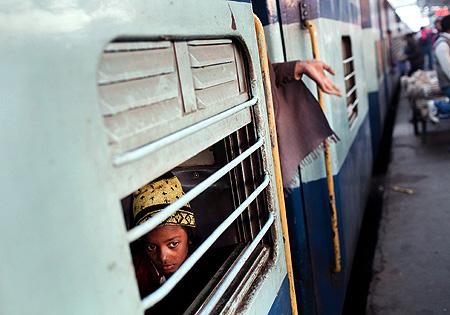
[155, 196]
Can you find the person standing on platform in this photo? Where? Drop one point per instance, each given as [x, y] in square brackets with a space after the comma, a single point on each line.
[413, 54]
[426, 43]
[442, 51]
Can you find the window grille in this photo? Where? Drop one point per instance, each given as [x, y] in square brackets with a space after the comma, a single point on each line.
[195, 85]
[251, 218]
[351, 94]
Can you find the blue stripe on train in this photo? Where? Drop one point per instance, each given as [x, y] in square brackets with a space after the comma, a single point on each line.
[300, 251]
[328, 286]
[282, 303]
[340, 10]
[327, 294]
[263, 13]
[375, 120]
[354, 182]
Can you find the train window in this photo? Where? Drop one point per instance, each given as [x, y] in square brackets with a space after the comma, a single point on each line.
[350, 79]
[214, 207]
[154, 95]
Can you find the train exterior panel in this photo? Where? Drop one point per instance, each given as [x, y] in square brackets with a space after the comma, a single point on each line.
[64, 235]
[63, 191]
[372, 73]
[383, 44]
[322, 291]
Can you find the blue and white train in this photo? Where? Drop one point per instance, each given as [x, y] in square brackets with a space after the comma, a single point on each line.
[363, 34]
[102, 97]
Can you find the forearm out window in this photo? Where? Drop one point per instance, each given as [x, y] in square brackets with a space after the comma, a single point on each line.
[350, 79]
[153, 95]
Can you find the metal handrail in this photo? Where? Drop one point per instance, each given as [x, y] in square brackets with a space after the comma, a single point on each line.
[145, 150]
[328, 165]
[276, 158]
[158, 218]
[237, 267]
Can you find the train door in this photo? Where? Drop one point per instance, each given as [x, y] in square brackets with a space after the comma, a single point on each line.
[121, 96]
[324, 235]
[272, 18]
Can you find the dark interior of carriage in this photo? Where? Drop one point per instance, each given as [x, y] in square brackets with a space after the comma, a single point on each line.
[213, 206]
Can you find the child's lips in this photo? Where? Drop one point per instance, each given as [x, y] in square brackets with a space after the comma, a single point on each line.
[168, 267]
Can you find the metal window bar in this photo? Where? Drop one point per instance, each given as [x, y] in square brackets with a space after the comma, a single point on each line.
[237, 267]
[254, 170]
[232, 303]
[229, 141]
[352, 90]
[348, 77]
[149, 225]
[352, 118]
[352, 106]
[244, 180]
[258, 165]
[350, 59]
[239, 187]
[145, 150]
[161, 292]
[248, 185]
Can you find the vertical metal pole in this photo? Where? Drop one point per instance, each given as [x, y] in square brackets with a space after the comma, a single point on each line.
[276, 157]
[328, 165]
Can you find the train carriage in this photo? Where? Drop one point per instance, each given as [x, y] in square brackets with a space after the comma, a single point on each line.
[351, 47]
[101, 98]
[383, 40]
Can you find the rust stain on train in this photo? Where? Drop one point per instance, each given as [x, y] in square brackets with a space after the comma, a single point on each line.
[233, 22]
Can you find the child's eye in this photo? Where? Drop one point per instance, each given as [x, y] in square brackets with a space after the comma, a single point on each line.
[173, 244]
[151, 247]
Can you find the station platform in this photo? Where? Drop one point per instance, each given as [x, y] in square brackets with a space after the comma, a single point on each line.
[412, 260]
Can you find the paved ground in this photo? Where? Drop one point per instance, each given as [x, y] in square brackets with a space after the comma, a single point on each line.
[412, 260]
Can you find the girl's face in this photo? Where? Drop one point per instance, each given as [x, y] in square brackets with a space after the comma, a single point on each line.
[168, 247]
